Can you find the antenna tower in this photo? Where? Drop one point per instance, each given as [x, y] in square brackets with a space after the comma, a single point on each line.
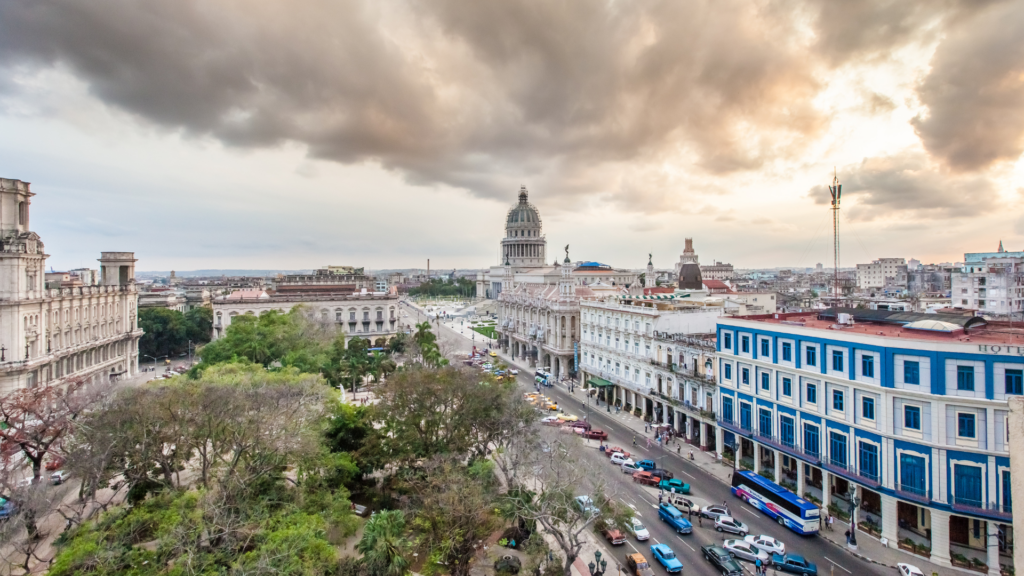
[836, 190]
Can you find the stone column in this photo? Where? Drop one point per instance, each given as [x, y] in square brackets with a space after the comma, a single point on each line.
[719, 440]
[800, 478]
[757, 457]
[940, 537]
[992, 543]
[890, 520]
[778, 466]
[703, 436]
[826, 487]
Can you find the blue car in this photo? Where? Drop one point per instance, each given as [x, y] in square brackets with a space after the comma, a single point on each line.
[663, 554]
[794, 564]
[647, 465]
[7, 509]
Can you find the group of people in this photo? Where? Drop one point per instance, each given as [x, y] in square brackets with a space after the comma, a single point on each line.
[761, 567]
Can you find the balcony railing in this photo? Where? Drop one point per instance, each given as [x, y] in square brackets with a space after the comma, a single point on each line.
[912, 493]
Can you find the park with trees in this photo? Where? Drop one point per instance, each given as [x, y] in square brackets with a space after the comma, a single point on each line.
[251, 462]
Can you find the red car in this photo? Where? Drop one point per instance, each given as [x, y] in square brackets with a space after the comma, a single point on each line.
[580, 424]
[596, 434]
[614, 536]
[646, 478]
[609, 451]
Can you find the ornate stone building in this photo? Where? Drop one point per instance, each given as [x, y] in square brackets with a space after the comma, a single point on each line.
[47, 335]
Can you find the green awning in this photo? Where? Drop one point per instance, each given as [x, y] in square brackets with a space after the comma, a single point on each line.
[598, 382]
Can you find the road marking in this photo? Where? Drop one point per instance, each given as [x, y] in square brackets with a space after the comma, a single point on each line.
[840, 566]
[748, 511]
[655, 540]
[685, 544]
[685, 474]
[631, 546]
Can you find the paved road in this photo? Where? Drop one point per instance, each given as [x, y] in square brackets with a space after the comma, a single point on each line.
[704, 489]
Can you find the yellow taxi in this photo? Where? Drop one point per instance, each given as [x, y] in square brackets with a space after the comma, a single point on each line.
[567, 418]
[494, 354]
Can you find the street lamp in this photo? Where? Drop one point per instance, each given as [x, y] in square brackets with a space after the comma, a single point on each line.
[854, 503]
[598, 566]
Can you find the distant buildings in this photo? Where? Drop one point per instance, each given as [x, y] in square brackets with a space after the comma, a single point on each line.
[338, 295]
[84, 326]
[990, 282]
[888, 274]
[717, 271]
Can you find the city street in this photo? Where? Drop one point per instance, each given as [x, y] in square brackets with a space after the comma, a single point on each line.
[705, 489]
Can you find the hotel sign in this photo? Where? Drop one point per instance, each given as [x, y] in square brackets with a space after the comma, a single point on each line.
[997, 349]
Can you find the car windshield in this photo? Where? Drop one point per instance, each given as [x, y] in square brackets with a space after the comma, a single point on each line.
[668, 554]
[638, 526]
[642, 565]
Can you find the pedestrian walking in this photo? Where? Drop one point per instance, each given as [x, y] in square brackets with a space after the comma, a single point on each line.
[847, 534]
[660, 499]
[648, 442]
[700, 520]
[691, 453]
[634, 439]
[757, 564]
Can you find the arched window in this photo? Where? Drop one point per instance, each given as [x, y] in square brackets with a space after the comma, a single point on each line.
[22, 213]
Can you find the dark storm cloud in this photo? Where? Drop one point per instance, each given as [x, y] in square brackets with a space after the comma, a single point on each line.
[910, 185]
[975, 91]
[479, 94]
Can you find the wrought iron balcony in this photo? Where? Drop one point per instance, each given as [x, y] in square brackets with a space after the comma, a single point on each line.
[913, 493]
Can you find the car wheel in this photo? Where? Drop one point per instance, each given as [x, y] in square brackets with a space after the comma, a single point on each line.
[719, 528]
[782, 521]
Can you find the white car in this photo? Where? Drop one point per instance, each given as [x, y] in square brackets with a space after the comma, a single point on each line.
[909, 570]
[631, 468]
[619, 459]
[639, 530]
[551, 421]
[513, 371]
[745, 551]
[586, 505]
[767, 543]
[730, 524]
[59, 477]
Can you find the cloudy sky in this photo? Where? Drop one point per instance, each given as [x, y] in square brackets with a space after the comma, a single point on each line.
[380, 133]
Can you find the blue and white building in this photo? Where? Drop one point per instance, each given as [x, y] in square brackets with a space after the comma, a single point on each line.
[908, 410]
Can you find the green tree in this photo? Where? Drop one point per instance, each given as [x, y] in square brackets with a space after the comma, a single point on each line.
[200, 324]
[165, 332]
[384, 546]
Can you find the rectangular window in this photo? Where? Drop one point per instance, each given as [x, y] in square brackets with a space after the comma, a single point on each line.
[869, 460]
[837, 400]
[911, 372]
[745, 344]
[745, 375]
[787, 352]
[727, 341]
[811, 440]
[967, 485]
[727, 409]
[965, 425]
[1007, 493]
[766, 383]
[912, 417]
[912, 474]
[812, 357]
[765, 423]
[965, 378]
[868, 408]
[787, 387]
[1015, 381]
[786, 430]
[867, 366]
[728, 371]
[765, 348]
[837, 449]
[744, 416]
[837, 360]
[812, 394]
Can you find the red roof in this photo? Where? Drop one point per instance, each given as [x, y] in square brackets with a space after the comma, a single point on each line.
[658, 290]
[717, 285]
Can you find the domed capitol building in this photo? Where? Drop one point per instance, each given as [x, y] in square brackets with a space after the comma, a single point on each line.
[538, 303]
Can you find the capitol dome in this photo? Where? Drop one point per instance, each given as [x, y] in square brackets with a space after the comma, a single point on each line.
[523, 214]
[524, 243]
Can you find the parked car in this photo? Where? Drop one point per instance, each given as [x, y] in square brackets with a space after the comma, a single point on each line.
[678, 486]
[745, 551]
[639, 530]
[551, 421]
[636, 565]
[794, 564]
[647, 465]
[909, 570]
[614, 536]
[721, 558]
[596, 434]
[714, 511]
[513, 371]
[586, 505]
[59, 477]
[730, 524]
[615, 449]
[667, 558]
[685, 503]
[766, 543]
[619, 459]
[645, 478]
[567, 418]
[7, 510]
[631, 468]
[675, 519]
[662, 474]
[581, 424]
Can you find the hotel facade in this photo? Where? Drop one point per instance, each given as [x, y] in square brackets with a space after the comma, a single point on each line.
[909, 411]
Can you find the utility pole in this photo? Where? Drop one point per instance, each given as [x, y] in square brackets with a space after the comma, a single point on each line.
[836, 190]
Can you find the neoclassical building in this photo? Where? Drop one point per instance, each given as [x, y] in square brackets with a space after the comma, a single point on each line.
[538, 304]
[52, 335]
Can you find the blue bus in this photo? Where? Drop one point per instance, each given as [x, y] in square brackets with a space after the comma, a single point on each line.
[783, 506]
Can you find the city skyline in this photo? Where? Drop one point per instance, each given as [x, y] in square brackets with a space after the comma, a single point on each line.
[632, 126]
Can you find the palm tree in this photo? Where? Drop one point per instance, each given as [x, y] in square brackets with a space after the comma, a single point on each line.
[384, 546]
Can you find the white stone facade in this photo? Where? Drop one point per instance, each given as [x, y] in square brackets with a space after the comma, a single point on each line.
[993, 285]
[882, 272]
[86, 332]
[359, 315]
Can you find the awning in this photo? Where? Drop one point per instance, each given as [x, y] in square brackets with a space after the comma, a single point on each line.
[598, 382]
